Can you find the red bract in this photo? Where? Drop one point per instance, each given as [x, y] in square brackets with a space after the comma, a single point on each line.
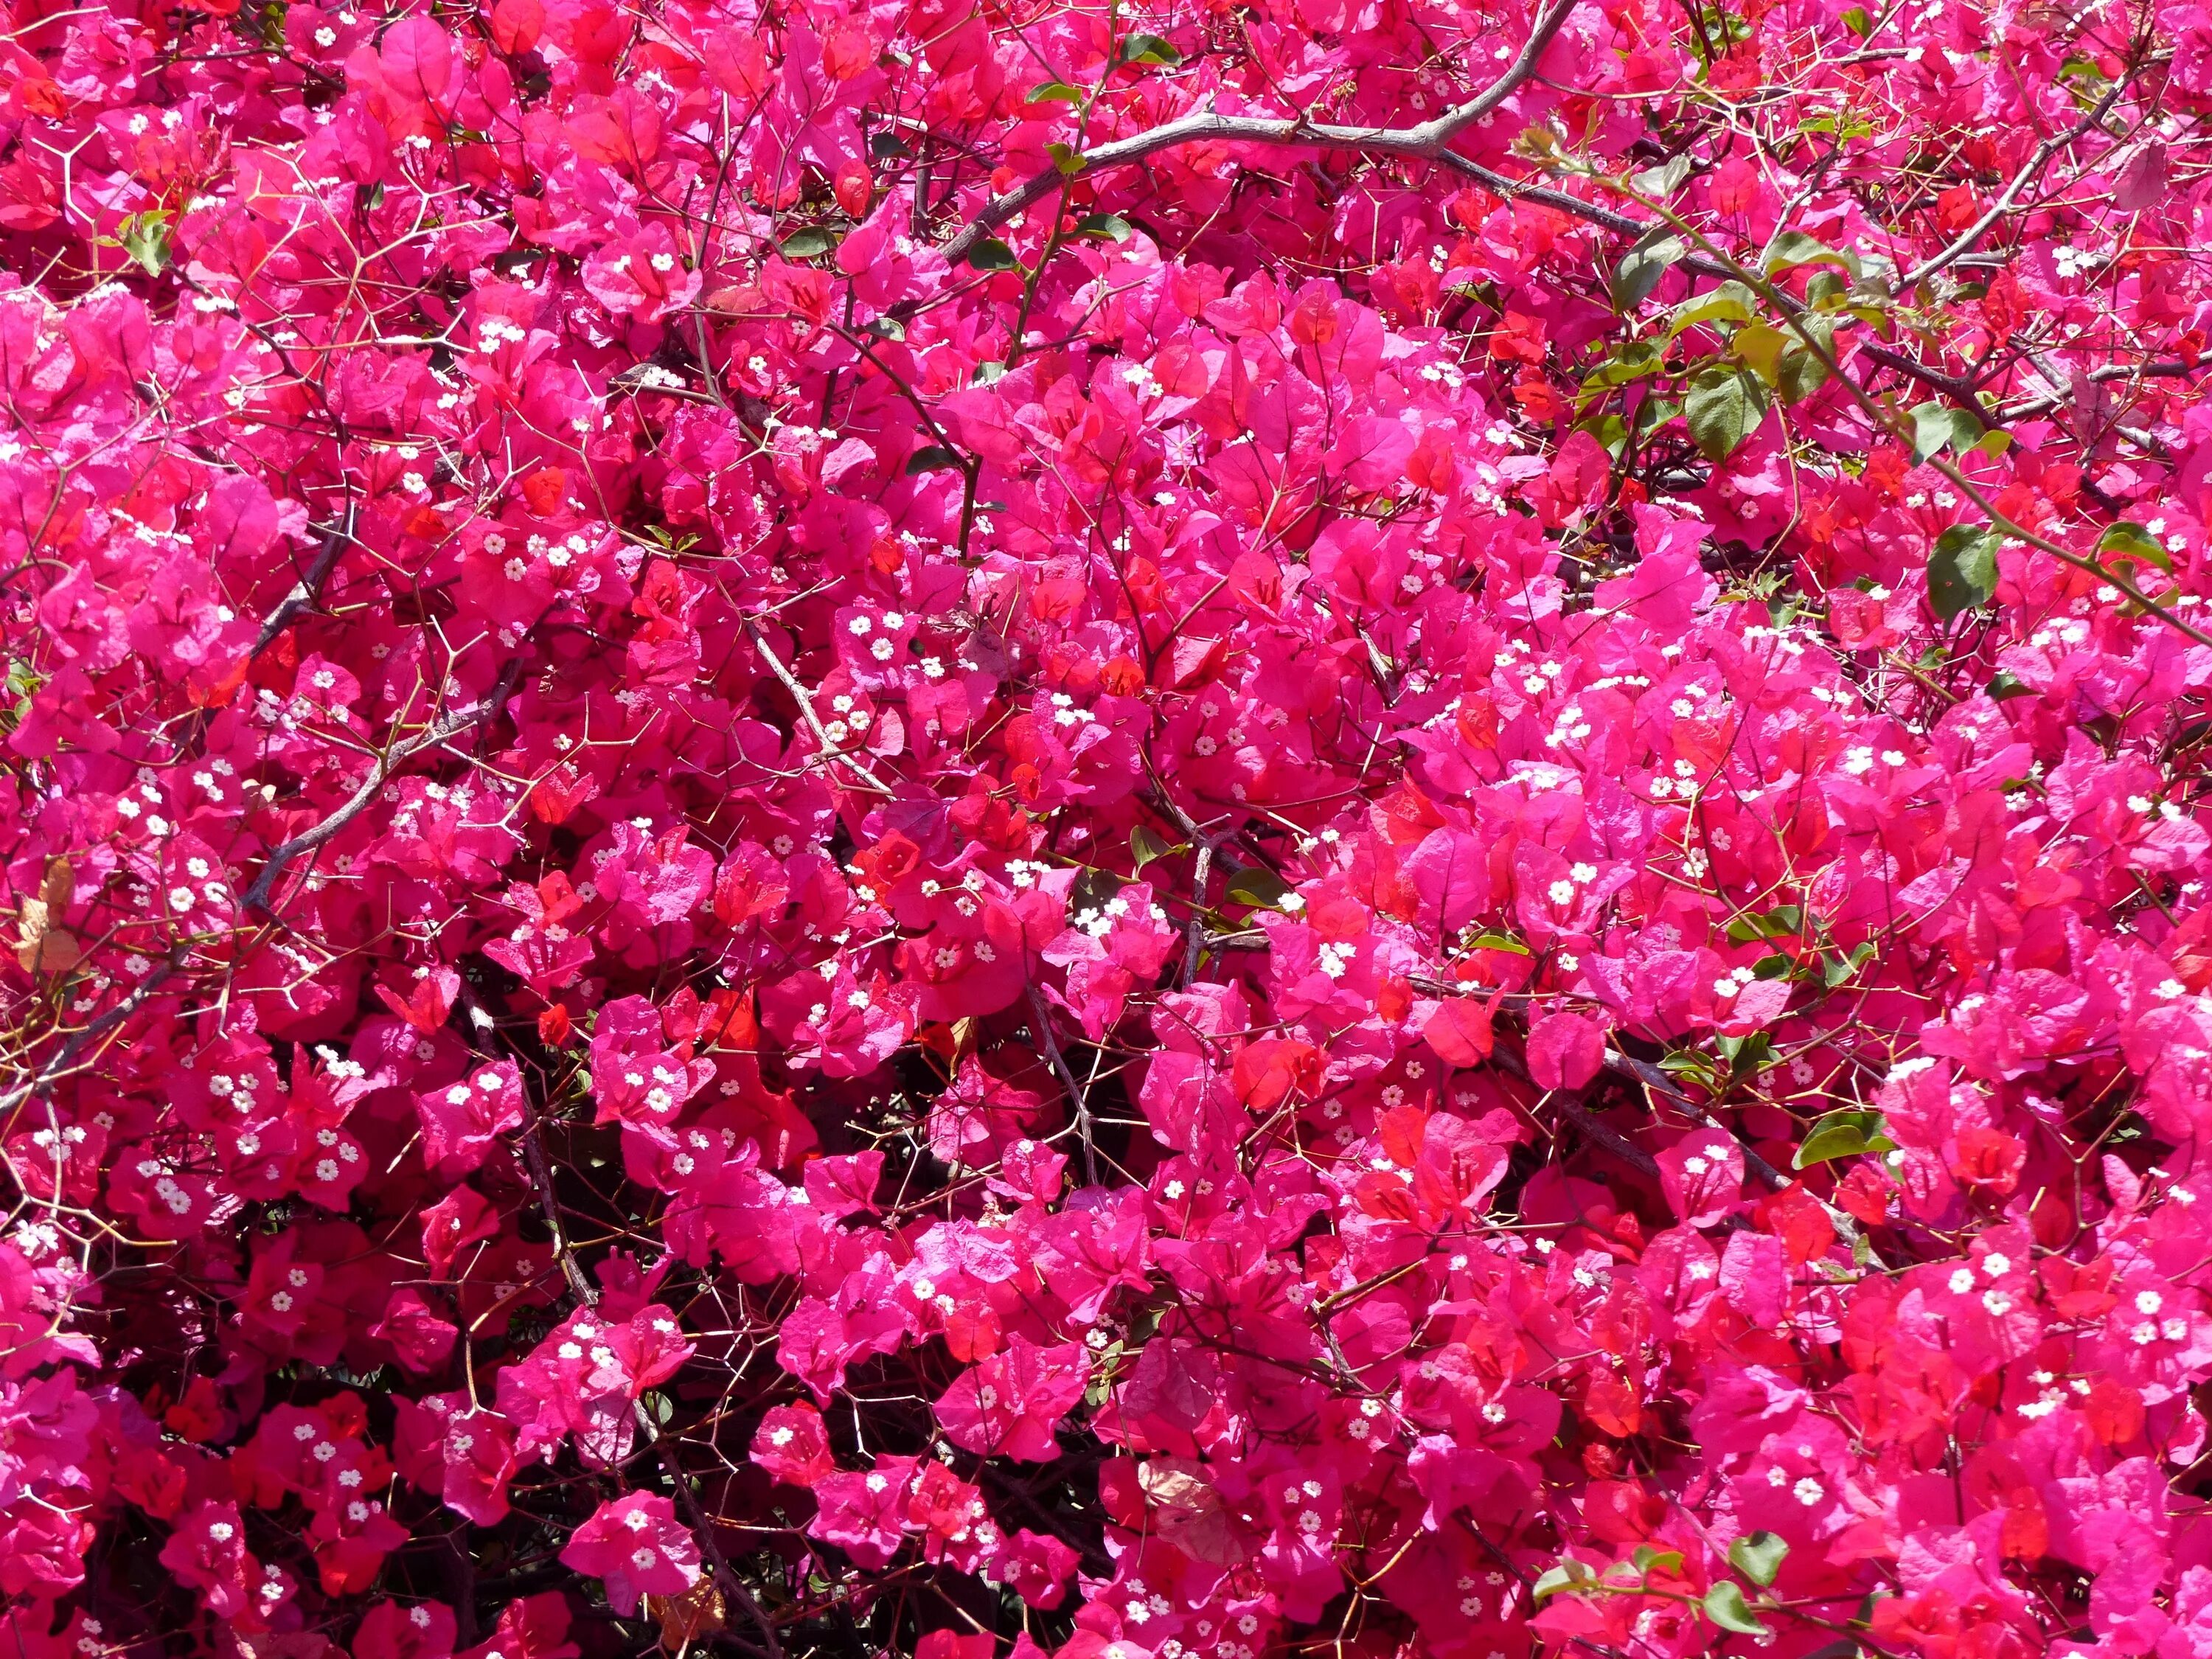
[1150, 833]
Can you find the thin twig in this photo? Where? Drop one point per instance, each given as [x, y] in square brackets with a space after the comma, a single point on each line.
[1040, 1017]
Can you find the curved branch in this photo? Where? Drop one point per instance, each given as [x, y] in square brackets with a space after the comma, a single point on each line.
[1428, 142]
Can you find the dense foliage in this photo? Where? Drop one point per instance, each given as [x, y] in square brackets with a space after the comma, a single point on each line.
[1161, 830]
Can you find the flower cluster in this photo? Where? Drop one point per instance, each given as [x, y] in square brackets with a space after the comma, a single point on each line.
[1155, 832]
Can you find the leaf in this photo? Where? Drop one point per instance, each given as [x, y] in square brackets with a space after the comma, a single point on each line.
[1610, 431]
[1688, 1065]
[1758, 1556]
[1648, 1560]
[1826, 291]
[992, 254]
[1804, 371]
[1937, 427]
[887, 328]
[2132, 541]
[1649, 257]
[1149, 49]
[145, 237]
[1845, 1134]
[1841, 971]
[931, 457]
[41, 947]
[1094, 888]
[1263, 889]
[1723, 407]
[1067, 158]
[1054, 92]
[685, 1619]
[1635, 359]
[1731, 302]
[1857, 21]
[30, 932]
[1662, 181]
[1793, 248]
[1747, 1055]
[811, 243]
[2004, 685]
[1782, 922]
[1569, 1574]
[1761, 345]
[887, 146]
[1107, 226]
[1145, 847]
[1725, 1606]
[1494, 941]
[1962, 570]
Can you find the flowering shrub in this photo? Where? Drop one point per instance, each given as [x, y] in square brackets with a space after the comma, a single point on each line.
[1163, 831]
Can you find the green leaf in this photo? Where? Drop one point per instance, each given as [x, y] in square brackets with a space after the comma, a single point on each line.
[1804, 371]
[1731, 302]
[1649, 257]
[1725, 1607]
[1962, 570]
[1747, 1056]
[2004, 685]
[1845, 1134]
[1569, 1574]
[811, 243]
[1149, 49]
[1793, 248]
[991, 254]
[1488, 940]
[145, 237]
[887, 328]
[1760, 346]
[1648, 1560]
[931, 457]
[1262, 890]
[1054, 92]
[1858, 22]
[1145, 847]
[1782, 922]
[1106, 226]
[1066, 157]
[1662, 181]
[1939, 425]
[1826, 291]
[1687, 1066]
[1758, 1556]
[1632, 360]
[1654, 412]
[1610, 431]
[1724, 406]
[887, 146]
[1840, 970]
[2132, 541]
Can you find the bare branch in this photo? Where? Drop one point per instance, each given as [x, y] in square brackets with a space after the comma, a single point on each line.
[1428, 141]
